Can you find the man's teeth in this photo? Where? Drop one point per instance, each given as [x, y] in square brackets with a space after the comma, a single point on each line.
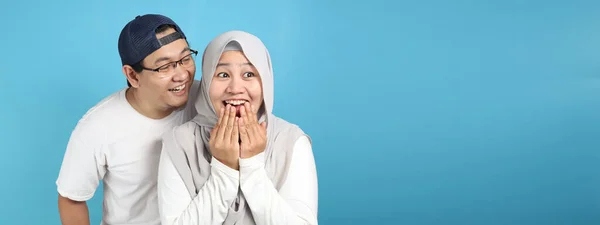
[178, 88]
[235, 102]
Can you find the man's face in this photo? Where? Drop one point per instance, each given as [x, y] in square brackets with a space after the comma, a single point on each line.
[167, 89]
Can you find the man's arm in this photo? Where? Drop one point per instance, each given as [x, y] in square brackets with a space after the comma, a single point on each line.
[83, 166]
[73, 212]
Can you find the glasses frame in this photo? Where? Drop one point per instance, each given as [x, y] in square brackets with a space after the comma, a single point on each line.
[173, 64]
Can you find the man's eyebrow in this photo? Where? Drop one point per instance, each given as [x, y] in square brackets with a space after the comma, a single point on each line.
[185, 50]
[161, 59]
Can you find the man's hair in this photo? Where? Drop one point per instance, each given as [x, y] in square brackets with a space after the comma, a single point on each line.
[138, 67]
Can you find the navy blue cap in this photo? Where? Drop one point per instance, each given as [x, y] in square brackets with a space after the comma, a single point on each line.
[138, 38]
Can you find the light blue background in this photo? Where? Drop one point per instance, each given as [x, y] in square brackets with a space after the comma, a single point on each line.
[428, 113]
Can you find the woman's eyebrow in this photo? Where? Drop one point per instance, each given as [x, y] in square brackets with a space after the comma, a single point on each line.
[229, 64]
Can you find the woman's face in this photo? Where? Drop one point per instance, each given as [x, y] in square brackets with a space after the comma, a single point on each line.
[235, 82]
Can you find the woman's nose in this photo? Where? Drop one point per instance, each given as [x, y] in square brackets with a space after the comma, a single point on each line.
[235, 86]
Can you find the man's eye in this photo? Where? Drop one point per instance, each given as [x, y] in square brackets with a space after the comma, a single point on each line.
[164, 68]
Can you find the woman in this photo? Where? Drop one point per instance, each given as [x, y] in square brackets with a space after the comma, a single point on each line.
[235, 162]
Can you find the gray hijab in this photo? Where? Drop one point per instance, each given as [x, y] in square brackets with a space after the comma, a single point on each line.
[188, 144]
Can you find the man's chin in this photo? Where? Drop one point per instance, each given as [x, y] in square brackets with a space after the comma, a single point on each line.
[178, 103]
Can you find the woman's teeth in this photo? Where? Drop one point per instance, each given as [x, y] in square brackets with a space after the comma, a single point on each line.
[178, 88]
[235, 102]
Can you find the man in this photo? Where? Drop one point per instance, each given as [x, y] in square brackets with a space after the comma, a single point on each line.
[118, 140]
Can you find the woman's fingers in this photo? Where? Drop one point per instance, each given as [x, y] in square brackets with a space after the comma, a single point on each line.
[224, 123]
[235, 136]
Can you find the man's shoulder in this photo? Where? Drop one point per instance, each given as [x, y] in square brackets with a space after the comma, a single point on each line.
[102, 115]
[107, 108]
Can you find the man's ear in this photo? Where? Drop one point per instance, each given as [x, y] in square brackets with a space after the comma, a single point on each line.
[131, 76]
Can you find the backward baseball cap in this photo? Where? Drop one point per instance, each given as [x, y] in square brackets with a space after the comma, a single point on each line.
[138, 38]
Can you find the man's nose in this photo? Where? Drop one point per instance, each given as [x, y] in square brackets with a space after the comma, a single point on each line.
[180, 73]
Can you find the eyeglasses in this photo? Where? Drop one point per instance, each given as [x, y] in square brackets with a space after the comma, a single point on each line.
[186, 61]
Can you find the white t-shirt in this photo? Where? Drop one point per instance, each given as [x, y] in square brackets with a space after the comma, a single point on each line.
[116, 144]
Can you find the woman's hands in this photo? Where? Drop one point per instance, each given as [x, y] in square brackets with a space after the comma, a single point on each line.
[252, 134]
[234, 137]
[224, 138]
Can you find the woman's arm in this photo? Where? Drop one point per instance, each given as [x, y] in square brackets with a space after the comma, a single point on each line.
[296, 202]
[211, 204]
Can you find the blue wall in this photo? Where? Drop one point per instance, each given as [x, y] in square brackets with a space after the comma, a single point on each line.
[428, 113]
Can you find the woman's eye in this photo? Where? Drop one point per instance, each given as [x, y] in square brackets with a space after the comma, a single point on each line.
[222, 75]
[248, 74]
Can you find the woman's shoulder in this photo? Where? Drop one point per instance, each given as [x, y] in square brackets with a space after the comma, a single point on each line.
[292, 131]
[285, 125]
[181, 131]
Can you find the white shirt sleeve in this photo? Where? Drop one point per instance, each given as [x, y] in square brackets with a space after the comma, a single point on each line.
[296, 202]
[83, 165]
[211, 204]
